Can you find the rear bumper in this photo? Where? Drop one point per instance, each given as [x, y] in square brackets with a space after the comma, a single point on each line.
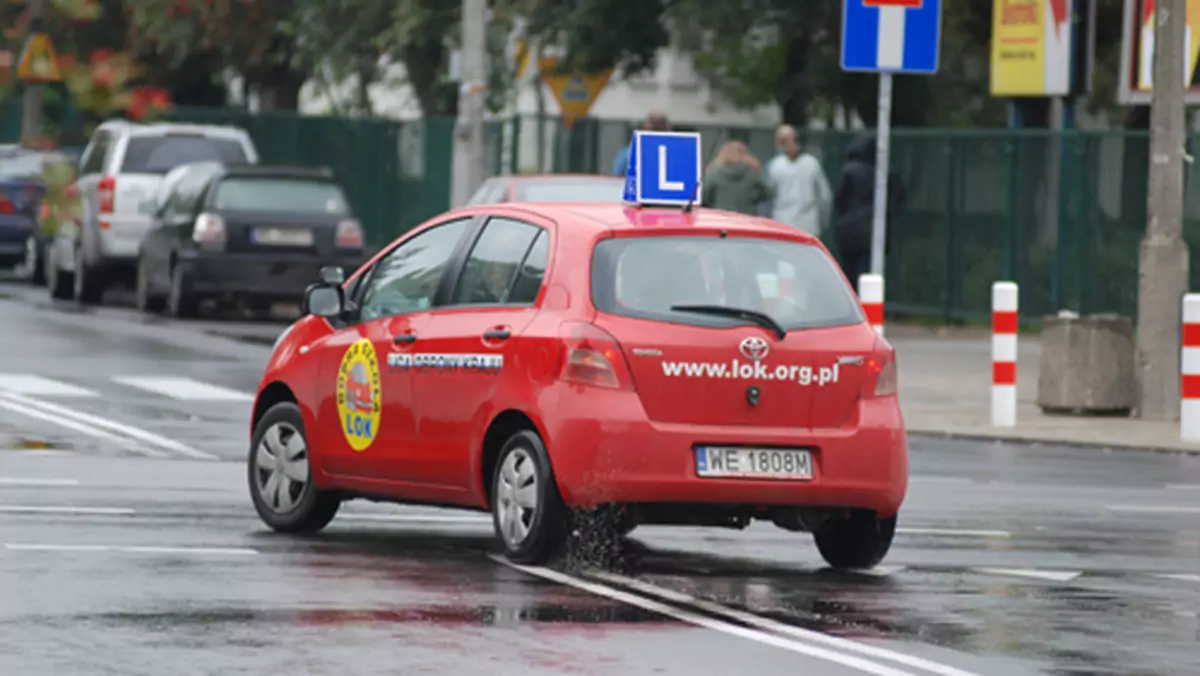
[619, 456]
[121, 237]
[15, 230]
[282, 276]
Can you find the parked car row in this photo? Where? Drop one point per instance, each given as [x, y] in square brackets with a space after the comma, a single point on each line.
[181, 213]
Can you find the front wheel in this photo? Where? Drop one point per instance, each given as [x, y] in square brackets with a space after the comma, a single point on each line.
[280, 475]
[857, 542]
[527, 510]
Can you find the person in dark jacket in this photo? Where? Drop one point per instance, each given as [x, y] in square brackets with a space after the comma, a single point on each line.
[734, 181]
[854, 207]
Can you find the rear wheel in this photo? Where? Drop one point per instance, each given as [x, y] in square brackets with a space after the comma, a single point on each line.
[147, 301]
[89, 281]
[280, 475]
[527, 510]
[856, 542]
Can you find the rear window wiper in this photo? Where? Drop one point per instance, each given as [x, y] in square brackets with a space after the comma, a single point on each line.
[761, 318]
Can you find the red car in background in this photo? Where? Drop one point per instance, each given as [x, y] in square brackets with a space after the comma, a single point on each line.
[688, 367]
[549, 188]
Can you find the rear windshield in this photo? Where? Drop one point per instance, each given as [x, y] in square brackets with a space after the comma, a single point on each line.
[26, 165]
[295, 195]
[568, 190]
[161, 154]
[798, 285]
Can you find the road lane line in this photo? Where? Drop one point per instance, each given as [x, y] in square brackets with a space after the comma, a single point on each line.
[26, 383]
[1154, 509]
[110, 425]
[39, 509]
[1050, 575]
[605, 591]
[1183, 487]
[774, 626]
[124, 549]
[953, 532]
[1183, 577]
[22, 481]
[183, 389]
[89, 430]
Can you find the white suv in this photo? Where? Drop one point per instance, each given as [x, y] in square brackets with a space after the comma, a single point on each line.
[119, 174]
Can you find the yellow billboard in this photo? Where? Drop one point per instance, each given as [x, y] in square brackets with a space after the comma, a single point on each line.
[1031, 48]
[1137, 52]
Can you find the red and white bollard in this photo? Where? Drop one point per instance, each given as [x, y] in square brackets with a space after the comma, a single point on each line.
[1004, 354]
[870, 292]
[1189, 401]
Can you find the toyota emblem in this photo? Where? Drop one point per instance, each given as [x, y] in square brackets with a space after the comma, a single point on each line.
[754, 348]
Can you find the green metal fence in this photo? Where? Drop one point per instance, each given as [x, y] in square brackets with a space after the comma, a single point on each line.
[1060, 214]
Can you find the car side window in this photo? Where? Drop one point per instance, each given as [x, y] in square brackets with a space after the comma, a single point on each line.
[406, 280]
[494, 262]
[94, 164]
[529, 278]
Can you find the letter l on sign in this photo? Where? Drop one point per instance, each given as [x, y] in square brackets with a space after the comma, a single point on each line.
[663, 183]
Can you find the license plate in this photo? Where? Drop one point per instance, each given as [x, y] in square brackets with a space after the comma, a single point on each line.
[282, 237]
[754, 463]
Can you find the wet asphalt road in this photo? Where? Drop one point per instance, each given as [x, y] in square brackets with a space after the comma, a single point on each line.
[128, 546]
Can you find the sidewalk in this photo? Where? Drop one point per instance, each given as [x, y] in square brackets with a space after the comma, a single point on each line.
[945, 391]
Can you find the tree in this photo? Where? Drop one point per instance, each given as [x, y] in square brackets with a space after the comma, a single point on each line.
[343, 40]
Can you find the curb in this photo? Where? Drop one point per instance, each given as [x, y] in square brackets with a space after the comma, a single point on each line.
[1043, 441]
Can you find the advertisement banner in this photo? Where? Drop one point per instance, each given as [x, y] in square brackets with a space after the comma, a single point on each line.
[1031, 48]
[1137, 52]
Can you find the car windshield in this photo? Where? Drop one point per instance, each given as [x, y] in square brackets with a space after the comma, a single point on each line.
[653, 277]
[571, 190]
[25, 165]
[242, 193]
[161, 154]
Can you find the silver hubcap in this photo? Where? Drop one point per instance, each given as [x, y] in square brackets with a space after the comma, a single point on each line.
[281, 467]
[517, 497]
[80, 271]
[31, 256]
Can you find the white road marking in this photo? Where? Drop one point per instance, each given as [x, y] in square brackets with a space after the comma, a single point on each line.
[218, 551]
[1050, 575]
[45, 451]
[40, 509]
[96, 426]
[1154, 509]
[23, 481]
[1183, 487]
[953, 532]
[879, 571]
[27, 383]
[1183, 577]
[773, 626]
[417, 518]
[184, 389]
[850, 661]
[92, 431]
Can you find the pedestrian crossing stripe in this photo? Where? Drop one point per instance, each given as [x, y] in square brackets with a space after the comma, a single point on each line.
[174, 387]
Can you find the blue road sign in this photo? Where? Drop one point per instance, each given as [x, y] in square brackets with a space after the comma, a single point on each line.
[891, 36]
[665, 168]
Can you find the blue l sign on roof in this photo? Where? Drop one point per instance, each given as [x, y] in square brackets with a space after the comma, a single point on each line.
[891, 36]
[664, 168]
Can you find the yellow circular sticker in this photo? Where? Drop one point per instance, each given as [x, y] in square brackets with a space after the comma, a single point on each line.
[358, 395]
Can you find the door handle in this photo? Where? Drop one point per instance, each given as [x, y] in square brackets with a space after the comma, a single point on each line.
[404, 339]
[497, 334]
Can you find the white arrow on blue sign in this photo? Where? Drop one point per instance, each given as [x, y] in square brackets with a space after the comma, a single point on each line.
[891, 36]
[665, 168]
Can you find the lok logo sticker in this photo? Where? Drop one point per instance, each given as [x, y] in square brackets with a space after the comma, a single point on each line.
[359, 397]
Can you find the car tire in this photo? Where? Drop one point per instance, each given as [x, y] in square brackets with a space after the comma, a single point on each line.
[858, 542]
[527, 510]
[34, 265]
[146, 301]
[279, 472]
[89, 281]
[60, 284]
[181, 303]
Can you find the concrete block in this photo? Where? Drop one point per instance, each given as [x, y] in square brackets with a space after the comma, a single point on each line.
[1087, 366]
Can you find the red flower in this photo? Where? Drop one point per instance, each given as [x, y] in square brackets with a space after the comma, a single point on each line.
[67, 62]
[146, 100]
[102, 56]
[104, 76]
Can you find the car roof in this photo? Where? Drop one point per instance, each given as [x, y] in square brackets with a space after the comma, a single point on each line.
[157, 128]
[615, 216]
[276, 171]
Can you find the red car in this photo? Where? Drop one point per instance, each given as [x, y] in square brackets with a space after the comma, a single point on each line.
[689, 367]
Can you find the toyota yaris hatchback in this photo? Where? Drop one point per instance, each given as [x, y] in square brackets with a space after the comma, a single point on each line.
[686, 367]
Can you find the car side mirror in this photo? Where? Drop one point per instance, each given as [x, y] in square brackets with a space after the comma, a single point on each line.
[324, 300]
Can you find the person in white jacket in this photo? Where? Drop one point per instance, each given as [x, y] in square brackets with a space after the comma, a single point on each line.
[802, 193]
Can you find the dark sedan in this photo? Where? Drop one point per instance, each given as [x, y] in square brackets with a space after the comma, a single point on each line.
[22, 188]
[255, 234]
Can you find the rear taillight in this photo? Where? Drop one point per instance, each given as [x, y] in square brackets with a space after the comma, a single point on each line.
[349, 235]
[209, 231]
[591, 356]
[881, 368]
[106, 194]
[6, 207]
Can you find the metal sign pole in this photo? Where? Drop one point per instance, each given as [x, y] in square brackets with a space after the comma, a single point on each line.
[883, 128]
